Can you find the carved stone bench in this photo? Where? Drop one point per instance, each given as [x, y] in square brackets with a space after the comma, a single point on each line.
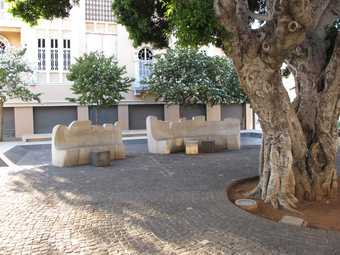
[168, 137]
[73, 145]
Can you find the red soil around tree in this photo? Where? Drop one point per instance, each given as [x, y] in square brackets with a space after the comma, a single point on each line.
[323, 214]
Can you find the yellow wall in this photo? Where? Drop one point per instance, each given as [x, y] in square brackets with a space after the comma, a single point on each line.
[13, 38]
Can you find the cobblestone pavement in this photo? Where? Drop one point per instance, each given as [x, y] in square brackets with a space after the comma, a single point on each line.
[146, 204]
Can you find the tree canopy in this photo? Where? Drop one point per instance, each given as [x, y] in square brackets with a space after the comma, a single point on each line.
[148, 21]
[34, 10]
[192, 23]
[145, 20]
[189, 76]
[98, 80]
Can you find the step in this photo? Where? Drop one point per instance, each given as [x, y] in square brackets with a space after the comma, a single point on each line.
[133, 133]
[36, 138]
[128, 134]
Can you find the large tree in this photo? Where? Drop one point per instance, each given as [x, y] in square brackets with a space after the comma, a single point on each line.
[34, 10]
[299, 139]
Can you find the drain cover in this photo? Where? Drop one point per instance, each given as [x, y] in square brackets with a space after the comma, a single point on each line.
[247, 204]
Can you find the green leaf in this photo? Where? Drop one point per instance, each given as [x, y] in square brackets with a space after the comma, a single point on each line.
[189, 76]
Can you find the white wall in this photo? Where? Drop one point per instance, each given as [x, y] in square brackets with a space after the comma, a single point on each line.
[110, 38]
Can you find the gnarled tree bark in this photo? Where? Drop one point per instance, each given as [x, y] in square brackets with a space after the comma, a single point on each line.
[1, 120]
[299, 147]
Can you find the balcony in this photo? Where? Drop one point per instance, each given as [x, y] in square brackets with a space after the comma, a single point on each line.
[140, 88]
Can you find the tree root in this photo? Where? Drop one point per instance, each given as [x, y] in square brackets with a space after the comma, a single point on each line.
[255, 193]
[285, 201]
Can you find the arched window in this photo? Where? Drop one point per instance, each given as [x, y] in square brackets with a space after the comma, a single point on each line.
[145, 58]
[3, 44]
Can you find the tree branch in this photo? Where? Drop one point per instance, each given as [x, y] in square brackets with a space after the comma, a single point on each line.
[233, 17]
[270, 12]
[325, 12]
[225, 12]
[319, 8]
[300, 11]
[333, 70]
[329, 101]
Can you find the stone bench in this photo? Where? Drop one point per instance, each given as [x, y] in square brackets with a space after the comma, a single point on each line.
[73, 145]
[168, 137]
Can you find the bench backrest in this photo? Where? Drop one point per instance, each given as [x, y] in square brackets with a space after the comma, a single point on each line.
[84, 134]
[163, 130]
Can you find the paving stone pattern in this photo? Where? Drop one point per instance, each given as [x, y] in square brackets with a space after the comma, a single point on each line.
[146, 204]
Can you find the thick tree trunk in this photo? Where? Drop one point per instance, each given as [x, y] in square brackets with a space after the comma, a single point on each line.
[283, 177]
[277, 180]
[298, 154]
[1, 121]
[318, 118]
[282, 134]
[2, 102]
[316, 108]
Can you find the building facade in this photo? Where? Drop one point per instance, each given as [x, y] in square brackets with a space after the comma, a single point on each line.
[52, 47]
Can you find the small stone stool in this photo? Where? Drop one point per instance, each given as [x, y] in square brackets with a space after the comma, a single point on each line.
[191, 147]
[208, 146]
[100, 158]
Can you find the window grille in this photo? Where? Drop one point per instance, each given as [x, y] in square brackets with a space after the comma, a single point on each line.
[54, 55]
[99, 10]
[67, 54]
[41, 54]
[145, 58]
[2, 47]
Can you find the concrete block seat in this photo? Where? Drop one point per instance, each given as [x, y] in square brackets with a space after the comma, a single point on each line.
[168, 137]
[72, 145]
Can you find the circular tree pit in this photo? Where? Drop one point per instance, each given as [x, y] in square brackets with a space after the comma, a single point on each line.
[323, 214]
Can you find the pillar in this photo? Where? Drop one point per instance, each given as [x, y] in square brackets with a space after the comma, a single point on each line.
[23, 117]
[123, 116]
[213, 112]
[249, 117]
[171, 112]
[83, 113]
